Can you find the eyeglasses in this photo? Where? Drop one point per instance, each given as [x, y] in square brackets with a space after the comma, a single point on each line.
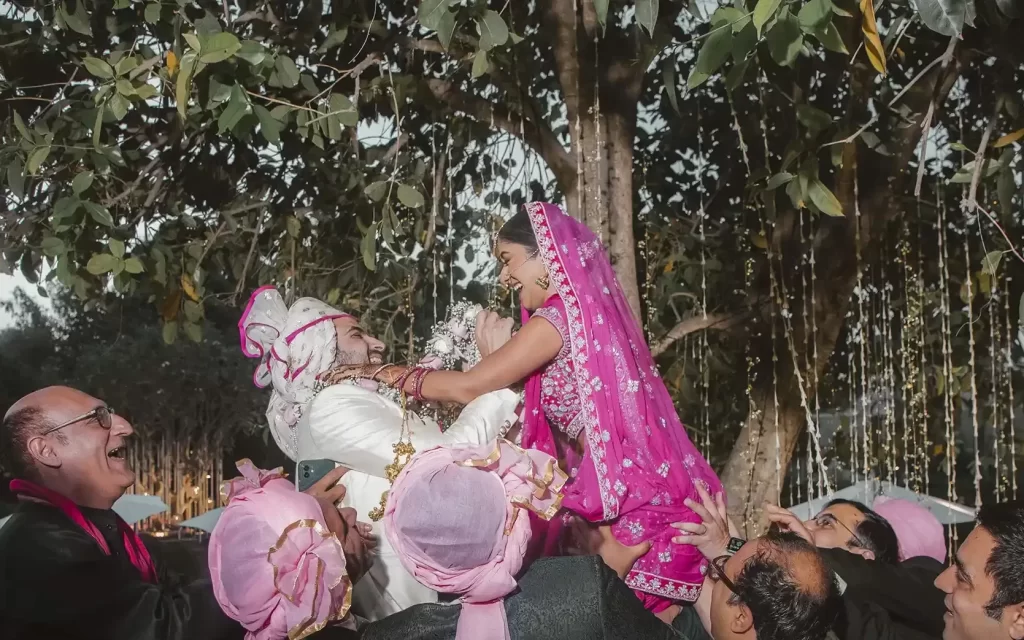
[103, 415]
[826, 520]
[716, 569]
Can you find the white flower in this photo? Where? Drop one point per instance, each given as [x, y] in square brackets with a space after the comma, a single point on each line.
[443, 345]
[471, 312]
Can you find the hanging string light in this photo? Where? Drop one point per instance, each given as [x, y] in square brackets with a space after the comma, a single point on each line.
[1007, 360]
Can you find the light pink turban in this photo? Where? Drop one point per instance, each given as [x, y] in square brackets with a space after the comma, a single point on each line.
[917, 529]
[275, 566]
[455, 518]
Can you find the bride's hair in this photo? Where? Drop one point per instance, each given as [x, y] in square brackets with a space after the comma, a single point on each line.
[518, 230]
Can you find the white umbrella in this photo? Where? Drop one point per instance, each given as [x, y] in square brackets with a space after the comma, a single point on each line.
[133, 508]
[867, 490]
[205, 522]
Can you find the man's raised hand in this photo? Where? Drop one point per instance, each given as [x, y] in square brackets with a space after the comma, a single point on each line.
[711, 535]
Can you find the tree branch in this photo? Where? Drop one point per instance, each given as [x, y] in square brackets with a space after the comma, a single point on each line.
[538, 136]
[719, 321]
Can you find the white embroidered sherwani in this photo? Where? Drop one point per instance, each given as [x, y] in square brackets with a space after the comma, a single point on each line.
[356, 428]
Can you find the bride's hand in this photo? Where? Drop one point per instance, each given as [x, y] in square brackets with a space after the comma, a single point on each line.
[492, 331]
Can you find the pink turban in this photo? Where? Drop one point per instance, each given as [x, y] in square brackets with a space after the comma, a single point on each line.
[917, 529]
[454, 518]
[275, 566]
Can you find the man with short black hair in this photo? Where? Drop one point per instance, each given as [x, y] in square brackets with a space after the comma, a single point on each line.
[776, 587]
[985, 585]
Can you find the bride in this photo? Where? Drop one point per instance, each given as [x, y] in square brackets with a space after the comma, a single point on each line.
[594, 398]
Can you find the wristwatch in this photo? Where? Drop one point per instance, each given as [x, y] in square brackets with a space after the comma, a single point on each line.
[734, 545]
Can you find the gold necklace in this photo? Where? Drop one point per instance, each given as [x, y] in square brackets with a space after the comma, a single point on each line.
[403, 453]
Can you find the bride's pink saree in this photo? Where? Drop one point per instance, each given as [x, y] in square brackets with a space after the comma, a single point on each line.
[639, 464]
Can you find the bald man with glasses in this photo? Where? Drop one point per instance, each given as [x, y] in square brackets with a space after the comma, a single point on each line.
[70, 567]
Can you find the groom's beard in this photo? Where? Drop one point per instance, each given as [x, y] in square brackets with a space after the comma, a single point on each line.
[358, 357]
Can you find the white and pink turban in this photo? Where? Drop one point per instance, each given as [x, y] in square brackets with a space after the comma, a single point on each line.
[454, 516]
[917, 529]
[276, 568]
[294, 346]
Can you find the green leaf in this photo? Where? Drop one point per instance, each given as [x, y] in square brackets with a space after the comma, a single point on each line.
[446, 29]
[736, 75]
[52, 245]
[252, 52]
[966, 173]
[269, 126]
[183, 86]
[98, 68]
[815, 14]
[778, 180]
[99, 213]
[36, 159]
[410, 197]
[785, 40]
[293, 225]
[696, 79]
[19, 124]
[194, 42]
[725, 16]
[814, 119]
[830, 39]
[287, 71]
[333, 296]
[82, 182]
[152, 13]
[668, 73]
[116, 247]
[125, 88]
[193, 312]
[334, 38]
[369, 247]
[480, 63]
[825, 199]
[118, 105]
[376, 190]
[194, 332]
[431, 11]
[65, 207]
[16, 177]
[343, 108]
[715, 51]
[236, 108]
[601, 8]
[219, 47]
[946, 16]
[493, 30]
[134, 265]
[79, 20]
[990, 263]
[764, 11]
[647, 14]
[170, 332]
[101, 263]
[97, 127]
[125, 65]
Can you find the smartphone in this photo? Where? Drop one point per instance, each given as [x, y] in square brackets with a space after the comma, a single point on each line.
[311, 471]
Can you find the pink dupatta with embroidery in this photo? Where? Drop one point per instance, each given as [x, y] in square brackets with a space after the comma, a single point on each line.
[639, 464]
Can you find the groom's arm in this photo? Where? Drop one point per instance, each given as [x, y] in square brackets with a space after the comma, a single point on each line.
[357, 429]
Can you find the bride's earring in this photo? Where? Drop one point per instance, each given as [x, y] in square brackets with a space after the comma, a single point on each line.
[543, 282]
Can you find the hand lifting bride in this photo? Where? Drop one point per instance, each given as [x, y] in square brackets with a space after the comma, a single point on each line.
[594, 400]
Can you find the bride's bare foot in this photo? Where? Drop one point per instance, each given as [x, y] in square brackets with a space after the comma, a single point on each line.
[668, 615]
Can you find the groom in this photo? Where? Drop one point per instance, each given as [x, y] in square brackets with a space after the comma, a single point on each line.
[350, 424]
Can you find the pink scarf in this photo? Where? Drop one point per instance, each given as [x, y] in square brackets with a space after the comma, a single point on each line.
[133, 545]
[639, 464]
